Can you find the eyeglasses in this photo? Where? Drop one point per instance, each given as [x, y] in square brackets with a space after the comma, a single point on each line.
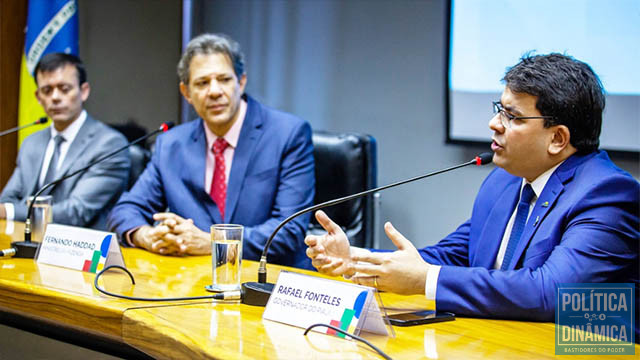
[507, 119]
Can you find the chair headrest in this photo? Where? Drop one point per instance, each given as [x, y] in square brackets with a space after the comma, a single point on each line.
[345, 164]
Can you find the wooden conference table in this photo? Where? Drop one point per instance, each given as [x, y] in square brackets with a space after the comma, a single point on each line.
[67, 300]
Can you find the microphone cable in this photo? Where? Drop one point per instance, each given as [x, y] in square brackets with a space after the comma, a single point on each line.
[363, 340]
[227, 295]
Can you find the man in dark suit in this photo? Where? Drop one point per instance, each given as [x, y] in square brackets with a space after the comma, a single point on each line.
[240, 162]
[72, 141]
[556, 210]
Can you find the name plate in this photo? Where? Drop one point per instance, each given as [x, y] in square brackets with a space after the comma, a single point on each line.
[302, 300]
[79, 248]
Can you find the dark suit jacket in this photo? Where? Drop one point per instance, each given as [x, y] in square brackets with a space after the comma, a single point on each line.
[272, 177]
[84, 199]
[583, 229]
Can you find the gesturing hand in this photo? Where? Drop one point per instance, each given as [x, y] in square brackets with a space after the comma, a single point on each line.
[330, 253]
[402, 271]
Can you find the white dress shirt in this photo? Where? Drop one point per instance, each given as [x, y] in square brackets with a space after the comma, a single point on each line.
[69, 134]
[232, 136]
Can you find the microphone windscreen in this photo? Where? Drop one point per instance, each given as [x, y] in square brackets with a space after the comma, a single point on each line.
[166, 126]
[42, 120]
[484, 158]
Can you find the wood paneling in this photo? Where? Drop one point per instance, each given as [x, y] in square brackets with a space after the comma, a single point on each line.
[13, 19]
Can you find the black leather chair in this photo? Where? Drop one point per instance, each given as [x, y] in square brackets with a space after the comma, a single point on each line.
[138, 153]
[139, 158]
[346, 163]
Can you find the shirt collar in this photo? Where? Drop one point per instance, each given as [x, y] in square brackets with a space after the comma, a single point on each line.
[233, 135]
[541, 181]
[72, 130]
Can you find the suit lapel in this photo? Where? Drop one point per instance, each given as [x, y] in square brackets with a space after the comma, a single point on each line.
[37, 158]
[546, 201]
[195, 163]
[80, 143]
[493, 231]
[249, 135]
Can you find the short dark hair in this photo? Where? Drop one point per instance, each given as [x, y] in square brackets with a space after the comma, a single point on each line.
[567, 89]
[54, 61]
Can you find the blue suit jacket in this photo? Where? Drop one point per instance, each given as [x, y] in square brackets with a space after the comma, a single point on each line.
[272, 177]
[586, 232]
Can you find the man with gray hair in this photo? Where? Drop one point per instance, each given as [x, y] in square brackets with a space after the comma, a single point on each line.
[240, 162]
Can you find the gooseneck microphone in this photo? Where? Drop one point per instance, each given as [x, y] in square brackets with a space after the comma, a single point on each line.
[27, 248]
[42, 120]
[257, 293]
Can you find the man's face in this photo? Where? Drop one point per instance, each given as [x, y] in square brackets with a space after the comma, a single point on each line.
[60, 94]
[214, 90]
[522, 149]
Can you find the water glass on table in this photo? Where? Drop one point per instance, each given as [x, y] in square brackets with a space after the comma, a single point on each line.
[226, 256]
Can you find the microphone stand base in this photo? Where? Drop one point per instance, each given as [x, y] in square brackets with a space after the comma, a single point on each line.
[25, 250]
[256, 293]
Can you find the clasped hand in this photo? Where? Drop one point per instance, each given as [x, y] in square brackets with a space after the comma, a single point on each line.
[402, 271]
[173, 235]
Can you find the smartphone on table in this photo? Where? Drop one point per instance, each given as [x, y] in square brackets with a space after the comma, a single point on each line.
[420, 317]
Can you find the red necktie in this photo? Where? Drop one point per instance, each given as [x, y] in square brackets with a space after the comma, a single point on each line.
[218, 191]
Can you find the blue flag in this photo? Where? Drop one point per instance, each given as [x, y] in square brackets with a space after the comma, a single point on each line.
[52, 26]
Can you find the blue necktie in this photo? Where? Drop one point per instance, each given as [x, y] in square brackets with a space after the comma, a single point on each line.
[518, 224]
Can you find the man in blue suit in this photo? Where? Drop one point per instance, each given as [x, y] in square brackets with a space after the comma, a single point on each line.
[557, 210]
[240, 162]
